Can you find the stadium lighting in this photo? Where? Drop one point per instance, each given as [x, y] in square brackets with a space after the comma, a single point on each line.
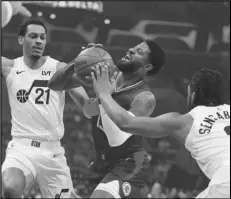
[107, 21]
[39, 14]
[52, 16]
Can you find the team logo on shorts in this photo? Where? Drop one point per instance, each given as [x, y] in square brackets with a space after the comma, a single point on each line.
[126, 187]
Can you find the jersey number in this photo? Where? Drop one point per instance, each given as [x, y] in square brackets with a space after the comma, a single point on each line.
[41, 92]
[227, 130]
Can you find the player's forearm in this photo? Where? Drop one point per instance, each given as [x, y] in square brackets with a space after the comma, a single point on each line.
[118, 114]
[64, 79]
[79, 96]
[91, 107]
[143, 126]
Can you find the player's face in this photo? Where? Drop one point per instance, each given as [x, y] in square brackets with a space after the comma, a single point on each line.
[135, 58]
[34, 41]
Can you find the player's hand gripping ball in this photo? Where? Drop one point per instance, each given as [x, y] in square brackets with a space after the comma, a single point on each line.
[87, 59]
[103, 82]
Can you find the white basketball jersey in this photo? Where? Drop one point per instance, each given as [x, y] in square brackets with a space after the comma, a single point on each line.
[37, 111]
[209, 138]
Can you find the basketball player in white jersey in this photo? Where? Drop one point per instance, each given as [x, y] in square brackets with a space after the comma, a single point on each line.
[205, 130]
[35, 153]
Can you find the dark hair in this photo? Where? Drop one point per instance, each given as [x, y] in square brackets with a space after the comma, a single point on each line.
[156, 56]
[23, 27]
[209, 88]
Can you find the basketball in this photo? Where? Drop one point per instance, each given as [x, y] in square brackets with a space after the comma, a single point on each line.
[87, 59]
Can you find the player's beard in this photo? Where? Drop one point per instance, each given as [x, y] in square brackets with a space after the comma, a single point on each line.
[127, 66]
[36, 57]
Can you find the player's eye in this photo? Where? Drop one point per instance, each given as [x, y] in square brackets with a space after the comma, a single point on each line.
[33, 36]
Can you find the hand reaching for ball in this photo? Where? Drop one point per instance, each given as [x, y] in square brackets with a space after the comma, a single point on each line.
[102, 82]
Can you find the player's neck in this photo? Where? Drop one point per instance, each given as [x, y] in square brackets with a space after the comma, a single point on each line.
[34, 63]
[129, 80]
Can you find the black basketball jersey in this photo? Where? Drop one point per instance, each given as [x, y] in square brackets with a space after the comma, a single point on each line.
[133, 143]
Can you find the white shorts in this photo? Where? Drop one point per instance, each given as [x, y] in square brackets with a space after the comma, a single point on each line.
[219, 186]
[43, 162]
[112, 187]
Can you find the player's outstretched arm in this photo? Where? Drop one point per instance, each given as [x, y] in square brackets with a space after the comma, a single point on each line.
[7, 65]
[149, 127]
[65, 77]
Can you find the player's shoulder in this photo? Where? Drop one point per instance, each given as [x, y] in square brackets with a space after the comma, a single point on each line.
[198, 110]
[145, 96]
[145, 102]
[60, 65]
[52, 61]
[226, 106]
[7, 62]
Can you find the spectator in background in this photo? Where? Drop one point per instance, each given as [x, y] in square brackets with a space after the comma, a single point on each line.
[87, 29]
[156, 190]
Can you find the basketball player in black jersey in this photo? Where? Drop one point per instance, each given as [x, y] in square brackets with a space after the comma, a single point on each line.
[121, 161]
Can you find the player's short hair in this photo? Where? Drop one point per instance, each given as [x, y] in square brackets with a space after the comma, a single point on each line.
[209, 88]
[23, 27]
[156, 56]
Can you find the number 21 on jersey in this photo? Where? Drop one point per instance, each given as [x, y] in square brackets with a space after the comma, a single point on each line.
[23, 96]
[41, 92]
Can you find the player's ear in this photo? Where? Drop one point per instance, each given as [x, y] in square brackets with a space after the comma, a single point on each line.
[20, 40]
[148, 67]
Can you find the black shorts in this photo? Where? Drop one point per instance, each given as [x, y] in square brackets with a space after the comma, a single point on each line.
[128, 177]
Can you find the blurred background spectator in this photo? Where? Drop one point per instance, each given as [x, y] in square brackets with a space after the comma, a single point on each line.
[193, 34]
